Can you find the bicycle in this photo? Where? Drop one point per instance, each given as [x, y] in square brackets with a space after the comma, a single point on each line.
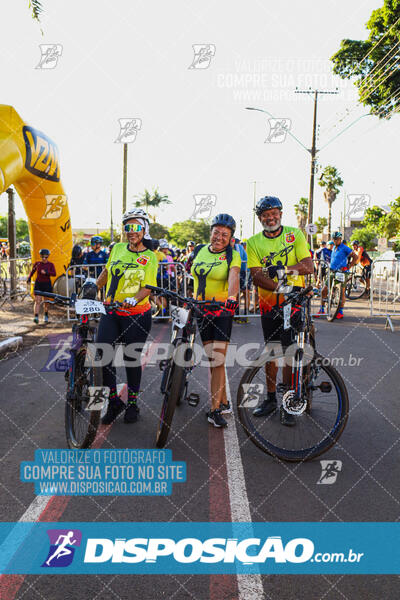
[338, 282]
[86, 398]
[355, 286]
[174, 382]
[317, 396]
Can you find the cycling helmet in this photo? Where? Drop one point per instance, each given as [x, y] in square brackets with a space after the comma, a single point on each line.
[225, 220]
[190, 243]
[337, 235]
[330, 242]
[135, 213]
[89, 289]
[163, 244]
[76, 251]
[267, 203]
[44, 252]
[354, 242]
[96, 239]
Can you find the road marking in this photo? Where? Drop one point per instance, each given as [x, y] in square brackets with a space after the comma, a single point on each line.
[250, 586]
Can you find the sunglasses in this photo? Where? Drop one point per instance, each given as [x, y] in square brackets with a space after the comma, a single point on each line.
[133, 227]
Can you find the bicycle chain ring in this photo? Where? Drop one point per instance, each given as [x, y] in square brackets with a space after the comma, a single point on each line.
[293, 404]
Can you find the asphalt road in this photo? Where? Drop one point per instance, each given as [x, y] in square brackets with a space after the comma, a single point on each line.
[366, 489]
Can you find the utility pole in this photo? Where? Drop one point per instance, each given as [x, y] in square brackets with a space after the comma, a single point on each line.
[12, 240]
[313, 150]
[125, 176]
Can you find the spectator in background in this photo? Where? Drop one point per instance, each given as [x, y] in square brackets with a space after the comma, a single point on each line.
[96, 256]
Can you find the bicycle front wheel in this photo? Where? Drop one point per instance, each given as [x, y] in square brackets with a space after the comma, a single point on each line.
[81, 424]
[314, 431]
[171, 398]
[334, 301]
[355, 288]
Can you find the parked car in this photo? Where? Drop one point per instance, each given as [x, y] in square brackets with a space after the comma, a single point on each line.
[385, 264]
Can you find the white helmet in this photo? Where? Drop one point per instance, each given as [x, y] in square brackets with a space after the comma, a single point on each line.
[135, 213]
[163, 244]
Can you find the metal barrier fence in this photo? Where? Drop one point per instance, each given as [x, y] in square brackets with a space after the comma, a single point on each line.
[173, 276]
[13, 275]
[385, 290]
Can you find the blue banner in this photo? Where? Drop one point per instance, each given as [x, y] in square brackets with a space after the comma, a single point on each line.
[199, 548]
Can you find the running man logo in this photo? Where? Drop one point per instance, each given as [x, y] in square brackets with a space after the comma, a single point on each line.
[50, 53]
[203, 53]
[278, 129]
[54, 206]
[128, 129]
[41, 155]
[203, 205]
[59, 353]
[330, 470]
[62, 547]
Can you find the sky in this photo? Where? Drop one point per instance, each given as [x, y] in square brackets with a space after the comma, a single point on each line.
[131, 59]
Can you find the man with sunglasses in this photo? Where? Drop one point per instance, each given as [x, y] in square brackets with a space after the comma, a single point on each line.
[96, 256]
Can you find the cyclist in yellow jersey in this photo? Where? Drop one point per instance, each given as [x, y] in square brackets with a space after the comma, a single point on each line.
[215, 269]
[276, 248]
[130, 267]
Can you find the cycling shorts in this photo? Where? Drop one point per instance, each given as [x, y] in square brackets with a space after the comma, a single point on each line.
[367, 272]
[212, 328]
[272, 326]
[42, 286]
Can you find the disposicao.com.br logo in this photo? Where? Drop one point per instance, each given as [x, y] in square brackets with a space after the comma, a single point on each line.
[248, 551]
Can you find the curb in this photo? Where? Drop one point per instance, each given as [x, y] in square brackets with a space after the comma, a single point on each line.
[10, 345]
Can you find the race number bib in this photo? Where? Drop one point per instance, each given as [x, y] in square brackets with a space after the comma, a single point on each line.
[339, 277]
[89, 307]
[179, 316]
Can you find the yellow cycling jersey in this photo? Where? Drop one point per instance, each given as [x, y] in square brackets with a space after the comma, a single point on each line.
[289, 248]
[210, 274]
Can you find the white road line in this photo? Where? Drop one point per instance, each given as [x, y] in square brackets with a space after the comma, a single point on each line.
[250, 586]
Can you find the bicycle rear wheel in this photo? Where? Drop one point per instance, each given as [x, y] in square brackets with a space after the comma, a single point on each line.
[316, 429]
[171, 398]
[355, 287]
[81, 424]
[334, 301]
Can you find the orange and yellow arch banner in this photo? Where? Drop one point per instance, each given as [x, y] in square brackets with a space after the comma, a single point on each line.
[30, 162]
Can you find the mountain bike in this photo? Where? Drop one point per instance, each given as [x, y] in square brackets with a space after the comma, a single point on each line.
[177, 367]
[86, 398]
[338, 283]
[355, 285]
[316, 397]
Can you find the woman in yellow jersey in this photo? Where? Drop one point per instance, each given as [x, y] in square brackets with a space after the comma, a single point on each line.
[130, 267]
[215, 269]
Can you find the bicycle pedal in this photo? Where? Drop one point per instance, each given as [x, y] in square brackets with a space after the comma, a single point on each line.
[325, 387]
[193, 399]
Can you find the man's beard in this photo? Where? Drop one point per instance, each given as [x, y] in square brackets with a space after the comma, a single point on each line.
[272, 228]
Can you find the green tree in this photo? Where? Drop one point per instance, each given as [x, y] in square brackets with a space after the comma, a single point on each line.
[321, 223]
[373, 63]
[365, 236]
[158, 231]
[152, 200]
[36, 8]
[373, 218]
[182, 232]
[3, 226]
[106, 235]
[22, 230]
[332, 182]
[301, 211]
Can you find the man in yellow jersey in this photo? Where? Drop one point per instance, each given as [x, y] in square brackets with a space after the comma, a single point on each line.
[276, 248]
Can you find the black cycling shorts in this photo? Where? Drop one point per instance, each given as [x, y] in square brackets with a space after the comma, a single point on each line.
[215, 328]
[42, 286]
[367, 272]
[272, 326]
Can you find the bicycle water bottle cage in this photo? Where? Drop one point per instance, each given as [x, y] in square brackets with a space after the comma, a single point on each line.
[193, 399]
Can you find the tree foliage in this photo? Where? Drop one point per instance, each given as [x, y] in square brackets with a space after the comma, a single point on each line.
[183, 231]
[152, 200]
[365, 236]
[36, 8]
[301, 211]
[332, 182]
[158, 231]
[21, 226]
[321, 223]
[373, 63]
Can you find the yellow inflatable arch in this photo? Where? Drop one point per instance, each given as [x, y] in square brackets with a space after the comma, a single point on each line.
[29, 160]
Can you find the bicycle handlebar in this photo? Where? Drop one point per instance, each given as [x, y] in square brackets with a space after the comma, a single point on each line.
[212, 304]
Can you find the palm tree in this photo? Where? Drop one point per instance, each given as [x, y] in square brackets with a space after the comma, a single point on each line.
[332, 182]
[36, 9]
[301, 210]
[154, 200]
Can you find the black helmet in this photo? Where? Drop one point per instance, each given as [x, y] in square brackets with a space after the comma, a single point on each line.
[355, 242]
[225, 220]
[76, 251]
[44, 252]
[267, 203]
[336, 235]
[89, 290]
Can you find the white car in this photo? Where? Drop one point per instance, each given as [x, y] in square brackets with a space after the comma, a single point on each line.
[385, 264]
